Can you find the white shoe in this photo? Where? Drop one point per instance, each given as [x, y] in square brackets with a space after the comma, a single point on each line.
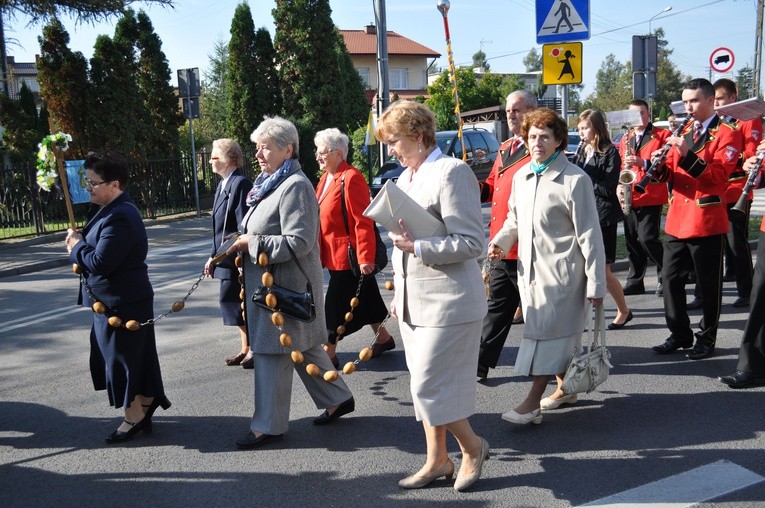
[548, 403]
[530, 417]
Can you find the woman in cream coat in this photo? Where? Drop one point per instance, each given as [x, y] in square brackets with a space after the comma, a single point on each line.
[440, 299]
[561, 261]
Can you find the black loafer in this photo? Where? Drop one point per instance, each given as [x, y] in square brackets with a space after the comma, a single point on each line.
[740, 379]
[670, 345]
[343, 409]
[619, 326]
[741, 302]
[250, 442]
[634, 290]
[694, 304]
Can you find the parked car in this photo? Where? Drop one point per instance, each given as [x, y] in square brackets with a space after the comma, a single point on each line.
[480, 145]
[573, 145]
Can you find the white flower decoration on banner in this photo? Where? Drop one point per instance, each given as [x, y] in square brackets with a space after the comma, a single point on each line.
[47, 172]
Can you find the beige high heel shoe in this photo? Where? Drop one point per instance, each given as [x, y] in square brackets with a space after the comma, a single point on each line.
[466, 480]
[418, 481]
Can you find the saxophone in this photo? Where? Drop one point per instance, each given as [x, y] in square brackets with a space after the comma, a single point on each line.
[627, 177]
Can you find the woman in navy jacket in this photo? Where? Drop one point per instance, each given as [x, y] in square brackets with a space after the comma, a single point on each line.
[229, 208]
[111, 252]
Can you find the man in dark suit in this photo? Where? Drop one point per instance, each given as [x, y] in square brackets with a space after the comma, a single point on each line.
[503, 292]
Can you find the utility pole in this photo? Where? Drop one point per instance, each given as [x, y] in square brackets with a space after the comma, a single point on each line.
[758, 50]
[383, 89]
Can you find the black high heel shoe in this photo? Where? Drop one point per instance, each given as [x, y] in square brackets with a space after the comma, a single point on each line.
[120, 437]
[158, 401]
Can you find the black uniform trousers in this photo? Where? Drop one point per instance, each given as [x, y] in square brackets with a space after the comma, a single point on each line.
[737, 254]
[751, 354]
[641, 235]
[503, 300]
[680, 257]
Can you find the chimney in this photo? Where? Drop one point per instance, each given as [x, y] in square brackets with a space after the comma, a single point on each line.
[370, 29]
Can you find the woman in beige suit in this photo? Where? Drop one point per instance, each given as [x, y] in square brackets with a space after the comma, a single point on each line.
[440, 299]
[561, 261]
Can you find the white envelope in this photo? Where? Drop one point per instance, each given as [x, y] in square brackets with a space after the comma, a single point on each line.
[392, 204]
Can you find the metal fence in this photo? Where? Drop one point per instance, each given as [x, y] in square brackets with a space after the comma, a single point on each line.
[160, 187]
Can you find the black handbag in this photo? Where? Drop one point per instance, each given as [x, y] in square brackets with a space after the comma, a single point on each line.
[381, 251]
[293, 304]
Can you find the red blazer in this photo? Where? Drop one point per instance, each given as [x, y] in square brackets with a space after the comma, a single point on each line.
[698, 181]
[653, 138]
[751, 131]
[497, 186]
[333, 237]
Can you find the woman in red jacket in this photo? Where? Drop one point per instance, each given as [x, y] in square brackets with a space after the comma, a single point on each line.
[334, 235]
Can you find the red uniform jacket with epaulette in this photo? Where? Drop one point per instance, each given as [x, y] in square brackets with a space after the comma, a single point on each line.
[698, 181]
[497, 186]
[751, 131]
[653, 138]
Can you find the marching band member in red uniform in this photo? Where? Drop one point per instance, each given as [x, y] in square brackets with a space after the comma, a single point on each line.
[738, 257]
[698, 164]
[750, 368]
[642, 224]
[503, 292]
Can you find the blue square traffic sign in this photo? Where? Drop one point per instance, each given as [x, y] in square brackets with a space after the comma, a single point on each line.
[562, 20]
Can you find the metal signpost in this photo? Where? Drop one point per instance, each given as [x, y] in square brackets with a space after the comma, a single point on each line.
[188, 88]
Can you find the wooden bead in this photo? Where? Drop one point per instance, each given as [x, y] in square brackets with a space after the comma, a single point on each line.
[365, 354]
[271, 300]
[277, 318]
[77, 269]
[340, 330]
[348, 317]
[297, 356]
[349, 368]
[263, 259]
[331, 376]
[267, 279]
[241, 294]
[238, 261]
[389, 285]
[115, 322]
[133, 325]
[312, 369]
[285, 339]
[354, 302]
[244, 316]
[240, 278]
[178, 306]
[241, 306]
[99, 307]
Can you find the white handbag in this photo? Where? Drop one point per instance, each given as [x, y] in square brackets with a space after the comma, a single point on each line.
[589, 369]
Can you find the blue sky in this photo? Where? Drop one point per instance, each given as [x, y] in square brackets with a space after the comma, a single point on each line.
[504, 29]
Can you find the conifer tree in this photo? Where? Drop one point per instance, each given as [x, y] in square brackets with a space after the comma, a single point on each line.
[240, 87]
[268, 97]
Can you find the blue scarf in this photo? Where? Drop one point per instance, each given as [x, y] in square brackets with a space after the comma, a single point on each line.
[538, 168]
[265, 183]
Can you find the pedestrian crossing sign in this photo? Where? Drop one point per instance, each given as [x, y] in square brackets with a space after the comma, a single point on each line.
[562, 20]
[562, 63]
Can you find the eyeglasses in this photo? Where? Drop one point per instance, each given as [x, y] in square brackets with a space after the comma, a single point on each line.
[91, 184]
[214, 158]
[323, 154]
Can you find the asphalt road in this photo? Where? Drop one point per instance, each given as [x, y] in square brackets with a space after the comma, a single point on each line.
[655, 418]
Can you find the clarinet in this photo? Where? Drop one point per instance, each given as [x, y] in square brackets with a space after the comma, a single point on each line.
[640, 186]
[740, 205]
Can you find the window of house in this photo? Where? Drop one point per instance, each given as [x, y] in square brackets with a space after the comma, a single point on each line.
[399, 79]
[364, 73]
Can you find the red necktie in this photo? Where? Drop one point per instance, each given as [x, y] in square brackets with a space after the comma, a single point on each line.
[516, 145]
[696, 131]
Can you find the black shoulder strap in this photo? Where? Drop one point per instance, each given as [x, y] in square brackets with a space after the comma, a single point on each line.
[342, 206]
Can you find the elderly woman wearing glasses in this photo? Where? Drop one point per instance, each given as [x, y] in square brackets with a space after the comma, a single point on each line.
[343, 222]
[111, 252]
[283, 224]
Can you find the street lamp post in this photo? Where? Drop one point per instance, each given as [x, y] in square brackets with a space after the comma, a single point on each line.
[666, 9]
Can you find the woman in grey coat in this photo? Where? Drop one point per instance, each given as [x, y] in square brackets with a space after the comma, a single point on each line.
[561, 262]
[284, 215]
